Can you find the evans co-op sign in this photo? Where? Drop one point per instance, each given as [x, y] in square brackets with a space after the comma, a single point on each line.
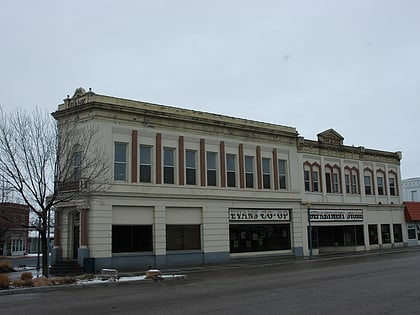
[336, 215]
[259, 215]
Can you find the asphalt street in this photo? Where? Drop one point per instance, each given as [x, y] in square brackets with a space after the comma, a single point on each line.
[383, 284]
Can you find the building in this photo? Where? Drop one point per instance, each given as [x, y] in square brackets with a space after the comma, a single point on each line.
[411, 189]
[411, 198]
[14, 220]
[189, 187]
[354, 195]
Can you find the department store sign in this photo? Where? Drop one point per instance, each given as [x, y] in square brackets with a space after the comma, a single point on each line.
[335, 215]
[259, 215]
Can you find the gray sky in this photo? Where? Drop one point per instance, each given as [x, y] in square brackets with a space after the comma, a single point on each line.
[349, 65]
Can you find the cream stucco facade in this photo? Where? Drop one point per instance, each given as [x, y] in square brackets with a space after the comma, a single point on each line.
[188, 187]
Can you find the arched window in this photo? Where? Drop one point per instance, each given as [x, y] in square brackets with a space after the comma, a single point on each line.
[368, 181]
[312, 176]
[393, 183]
[381, 182]
[333, 178]
[351, 179]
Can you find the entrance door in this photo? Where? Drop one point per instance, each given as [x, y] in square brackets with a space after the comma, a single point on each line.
[76, 241]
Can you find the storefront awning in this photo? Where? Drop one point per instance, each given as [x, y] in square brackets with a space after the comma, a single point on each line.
[412, 211]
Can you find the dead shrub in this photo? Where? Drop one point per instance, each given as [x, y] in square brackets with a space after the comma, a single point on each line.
[4, 281]
[5, 266]
[41, 282]
[27, 275]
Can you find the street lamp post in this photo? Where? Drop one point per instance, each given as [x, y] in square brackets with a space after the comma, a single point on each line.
[308, 206]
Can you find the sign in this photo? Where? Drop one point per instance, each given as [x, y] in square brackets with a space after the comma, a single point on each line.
[335, 215]
[259, 215]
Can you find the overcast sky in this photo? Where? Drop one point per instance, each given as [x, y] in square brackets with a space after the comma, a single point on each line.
[353, 66]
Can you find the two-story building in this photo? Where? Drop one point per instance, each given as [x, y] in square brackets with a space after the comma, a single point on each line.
[188, 187]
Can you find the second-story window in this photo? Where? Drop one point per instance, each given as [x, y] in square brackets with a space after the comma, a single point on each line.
[120, 161]
[392, 186]
[190, 167]
[368, 185]
[168, 166]
[266, 171]
[231, 170]
[145, 164]
[347, 183]
[380, 185]
[211, 169]
[249, 172]
[282, 174]
[332, 179]
[77, 165]
[311, 176]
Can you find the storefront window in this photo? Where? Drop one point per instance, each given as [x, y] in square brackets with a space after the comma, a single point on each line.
[397, 233]
[386, 234]
[373, 234]
[183, 237]
[350, 235]
[132, 238]
[259, 237]
[412, 233]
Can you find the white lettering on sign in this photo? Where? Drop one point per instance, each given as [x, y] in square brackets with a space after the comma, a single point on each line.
[259, 215]
[335, 215]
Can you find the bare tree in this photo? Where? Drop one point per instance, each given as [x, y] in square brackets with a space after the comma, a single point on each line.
[47, 164]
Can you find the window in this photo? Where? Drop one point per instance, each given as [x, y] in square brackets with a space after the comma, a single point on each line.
[332, 179]
[328, 181]
[307, 178]
[249, 172]
[386, 234]
[183, 237]
[315, 181]
[311, 176]
[231, 170]
[368, 185]
[168, 166]
[145, 164]
[373, 234]
[190, 167]
[259, 237]
[211, 169]
[351, 176]
[347, 183]
[266, 173]
[412, 231]
[282, 174]
[354, 184]
[132, 238]
[393, 188]
[77, 165]
[120, 161]
[336, 186]
[380, 185]
[398, 238]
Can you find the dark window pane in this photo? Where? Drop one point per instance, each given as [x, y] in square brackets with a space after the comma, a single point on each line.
[168, 175]
[373, 234]
[249, 178]
[183, 237]
[259, 237]
[145, 174]
[211, 178]
[231, 179]
[191, 177]
[132, 238]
